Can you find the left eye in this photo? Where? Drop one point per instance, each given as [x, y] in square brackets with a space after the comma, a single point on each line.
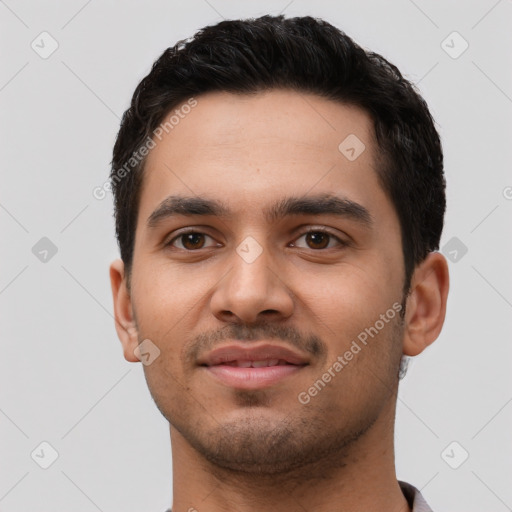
[319, 239]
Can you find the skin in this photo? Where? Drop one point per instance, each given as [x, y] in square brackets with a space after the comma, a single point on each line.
[263, 449]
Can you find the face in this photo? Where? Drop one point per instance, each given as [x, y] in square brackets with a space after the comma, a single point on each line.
[272, 287]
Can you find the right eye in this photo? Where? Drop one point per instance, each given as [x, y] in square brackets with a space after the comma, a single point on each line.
[189, 241]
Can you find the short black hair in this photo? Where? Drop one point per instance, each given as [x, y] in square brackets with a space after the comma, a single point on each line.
[303, 54]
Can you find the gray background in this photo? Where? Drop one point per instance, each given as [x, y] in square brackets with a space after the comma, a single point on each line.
[63, 379]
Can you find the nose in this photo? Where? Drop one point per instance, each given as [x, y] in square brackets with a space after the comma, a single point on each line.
[252, 291]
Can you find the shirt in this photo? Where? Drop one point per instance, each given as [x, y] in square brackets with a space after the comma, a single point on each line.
[416, 501]
[414, 498]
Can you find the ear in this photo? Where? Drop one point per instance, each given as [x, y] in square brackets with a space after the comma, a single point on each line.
[126, 326]
[426, 304]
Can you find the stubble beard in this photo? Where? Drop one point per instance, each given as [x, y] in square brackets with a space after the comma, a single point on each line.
[304, 444]
[308, 443]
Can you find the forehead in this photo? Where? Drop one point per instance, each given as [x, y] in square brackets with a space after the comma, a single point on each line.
[249, 150]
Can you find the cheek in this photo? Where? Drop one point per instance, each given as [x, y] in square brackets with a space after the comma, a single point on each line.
[164, 293]
[168, 303]
[345, 306]
[350, 293]
[158, 309]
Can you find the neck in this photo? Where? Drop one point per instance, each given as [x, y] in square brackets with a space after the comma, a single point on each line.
[361, 478]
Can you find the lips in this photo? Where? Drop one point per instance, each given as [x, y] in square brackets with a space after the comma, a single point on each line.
[254, 367]
[260, 353]
[256, 364]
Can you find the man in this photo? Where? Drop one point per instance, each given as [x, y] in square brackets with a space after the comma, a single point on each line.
[279, 200]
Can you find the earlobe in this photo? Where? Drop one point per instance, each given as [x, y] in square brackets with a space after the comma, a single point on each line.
[125, 323]
[426, 304]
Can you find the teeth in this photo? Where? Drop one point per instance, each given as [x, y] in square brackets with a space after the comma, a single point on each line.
[257, 364]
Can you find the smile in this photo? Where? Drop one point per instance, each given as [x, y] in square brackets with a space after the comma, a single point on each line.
[254, 366]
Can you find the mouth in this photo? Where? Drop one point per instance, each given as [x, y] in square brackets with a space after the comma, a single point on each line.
[242, 367]
[257, 364]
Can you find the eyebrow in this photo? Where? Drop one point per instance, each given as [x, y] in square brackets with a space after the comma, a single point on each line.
[320, 204]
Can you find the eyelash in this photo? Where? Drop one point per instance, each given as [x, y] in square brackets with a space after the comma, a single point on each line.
[341, 243]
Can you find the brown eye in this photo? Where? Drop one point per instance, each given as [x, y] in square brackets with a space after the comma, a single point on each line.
[190, 241]
[319, 239]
